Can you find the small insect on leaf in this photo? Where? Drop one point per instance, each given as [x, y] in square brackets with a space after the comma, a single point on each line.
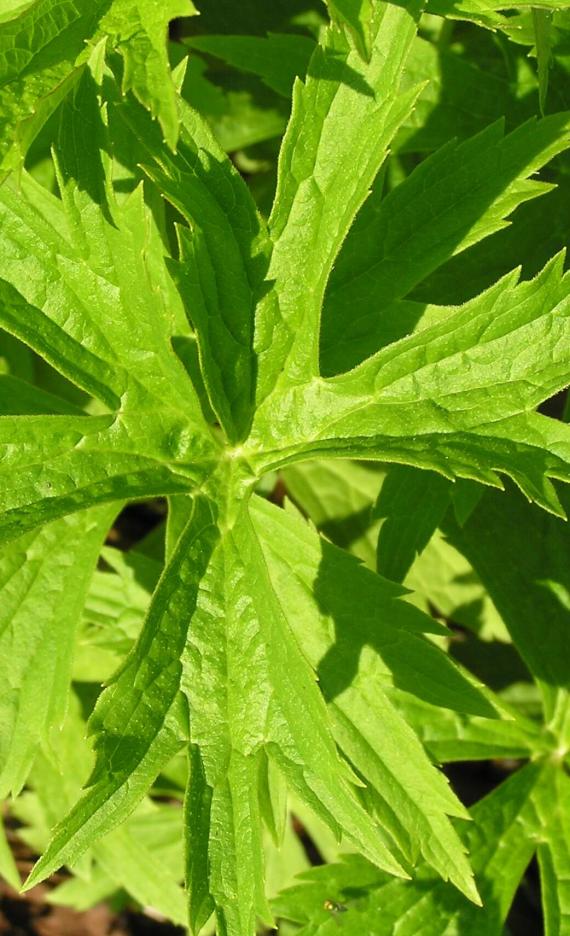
[333, 907]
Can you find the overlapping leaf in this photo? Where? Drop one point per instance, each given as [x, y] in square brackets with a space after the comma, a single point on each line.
[531, 587]
[223, 261]
[42, 53]
[251, 602]
[455, 198]
[38, 51]
[457, 397]
[356, 664]
[139, 29]
[502, 841]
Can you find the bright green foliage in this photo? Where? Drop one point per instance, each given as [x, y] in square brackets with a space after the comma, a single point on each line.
[171, 337]
[452, 200]
[138, 29]
[42, 48]
[36, 571]
[502, 840]
[358, 16]
[38, 50]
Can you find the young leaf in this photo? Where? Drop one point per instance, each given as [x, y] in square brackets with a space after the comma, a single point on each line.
[358, 16]
[453, 199]
[224, 257]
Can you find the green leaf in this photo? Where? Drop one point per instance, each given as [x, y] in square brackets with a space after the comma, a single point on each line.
[90, 274]
[248, 686]
[502, 840]
[54, 465]
[411, 505]
[324, 570]
[144, 698]
[223, 260]
[528, 585]
[343, 120]
[552, 800]
[44, 578]
[40, 47]
[454, 398]
[38, 50]
[356, 665]
[139, 29]
[358, 16]
[453, 199]
[542, 21]
[117, 256]
[197, 807]
[277, 58]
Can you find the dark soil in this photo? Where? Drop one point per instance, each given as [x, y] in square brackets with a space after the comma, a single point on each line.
[31, 915]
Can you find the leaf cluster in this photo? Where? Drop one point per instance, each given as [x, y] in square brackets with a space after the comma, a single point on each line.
[314, 249]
